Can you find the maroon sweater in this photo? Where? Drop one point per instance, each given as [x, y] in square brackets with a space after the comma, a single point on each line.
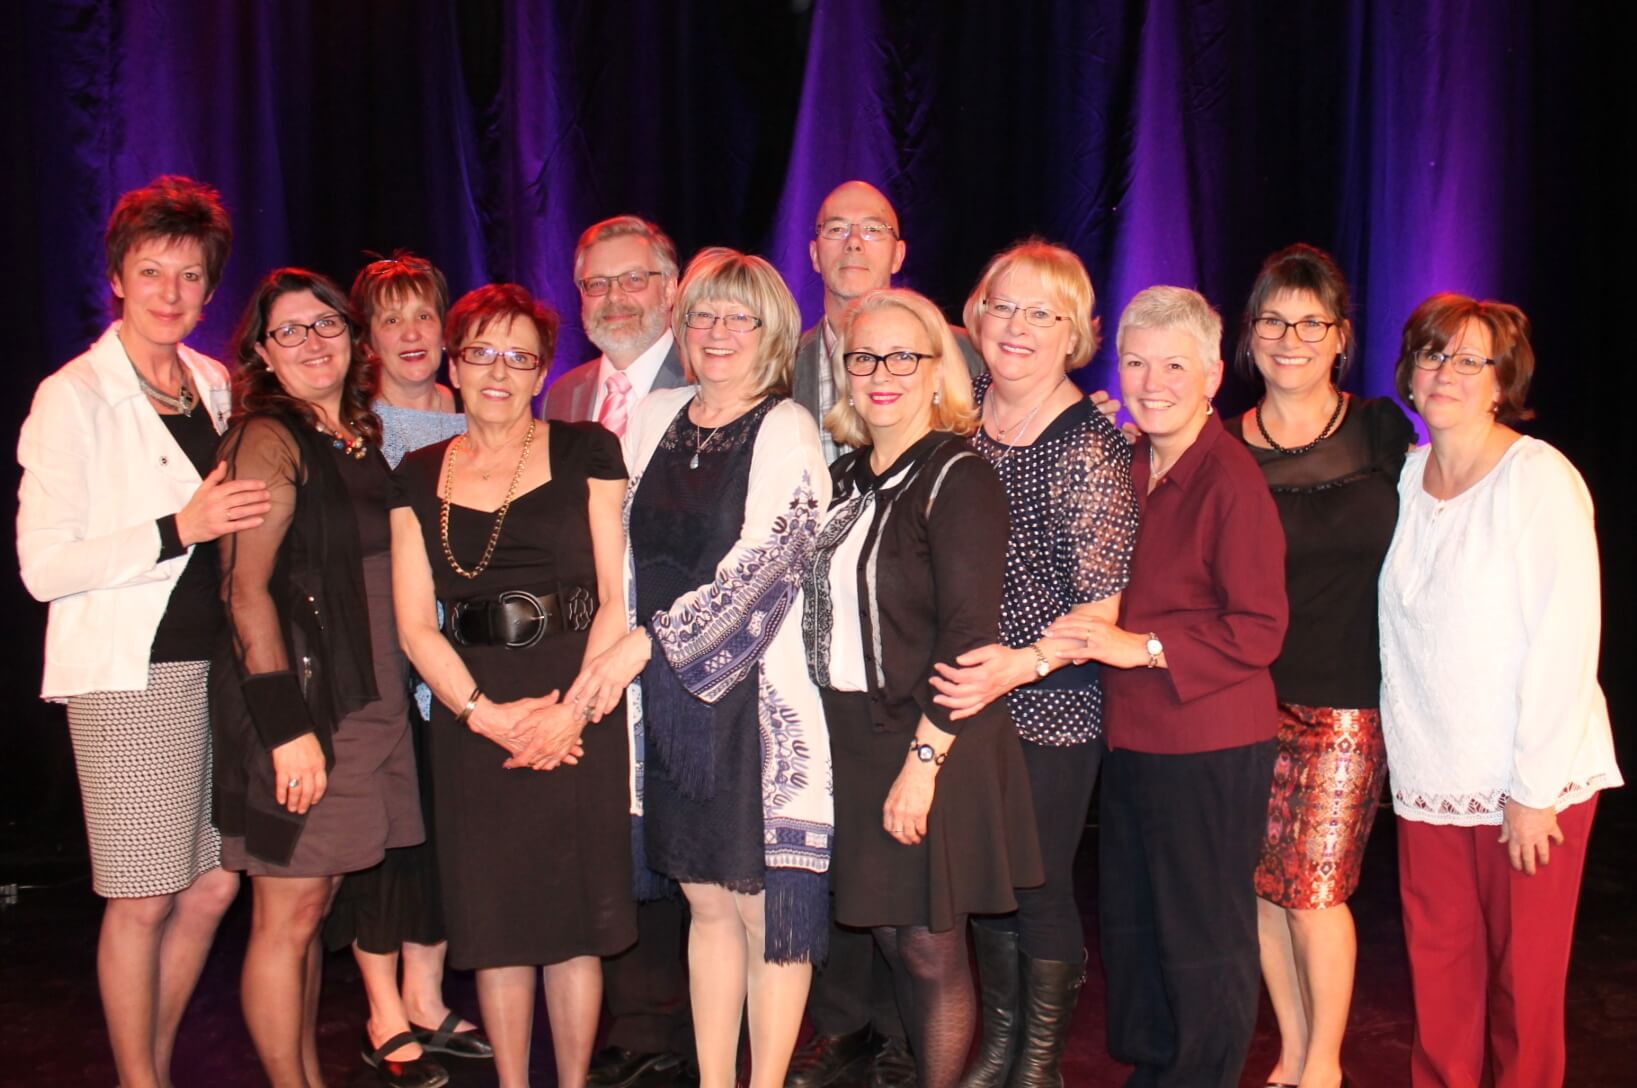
[1208, 579]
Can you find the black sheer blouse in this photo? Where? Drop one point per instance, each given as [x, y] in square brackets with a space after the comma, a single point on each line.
[297, 658]
[1338, 503]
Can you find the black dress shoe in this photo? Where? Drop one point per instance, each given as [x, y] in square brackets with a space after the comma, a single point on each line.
[894, 1065]
[831, 1059]
[617, 1067]
[420, 1072]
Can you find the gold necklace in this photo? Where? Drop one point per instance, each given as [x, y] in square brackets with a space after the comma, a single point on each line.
[500, 515]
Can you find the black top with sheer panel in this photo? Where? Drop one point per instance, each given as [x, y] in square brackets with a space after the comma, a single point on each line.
[1338, 503]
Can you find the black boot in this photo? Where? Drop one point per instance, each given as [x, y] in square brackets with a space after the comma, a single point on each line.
[1050, 990]
[998, 973]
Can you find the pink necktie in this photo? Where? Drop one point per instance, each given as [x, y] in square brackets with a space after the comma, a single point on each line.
[616, 403]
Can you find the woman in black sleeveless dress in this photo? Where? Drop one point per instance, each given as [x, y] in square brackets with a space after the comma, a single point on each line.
[506, 547]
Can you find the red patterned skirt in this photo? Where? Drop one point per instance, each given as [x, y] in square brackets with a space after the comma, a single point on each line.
[1326, 786]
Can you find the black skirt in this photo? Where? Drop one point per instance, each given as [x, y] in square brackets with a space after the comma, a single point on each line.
[980, 843]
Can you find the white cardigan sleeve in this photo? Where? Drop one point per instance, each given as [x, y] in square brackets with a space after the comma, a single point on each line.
[1560, 706]
[57, 556]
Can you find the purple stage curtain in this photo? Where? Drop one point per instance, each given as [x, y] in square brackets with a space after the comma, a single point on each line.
[1438, 145]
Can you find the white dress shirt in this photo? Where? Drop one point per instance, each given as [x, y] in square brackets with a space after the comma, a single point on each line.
[641, 373]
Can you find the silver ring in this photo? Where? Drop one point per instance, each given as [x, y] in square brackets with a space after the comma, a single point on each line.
[293, 784]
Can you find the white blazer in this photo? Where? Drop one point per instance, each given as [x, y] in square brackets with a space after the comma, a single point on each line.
[99, 470]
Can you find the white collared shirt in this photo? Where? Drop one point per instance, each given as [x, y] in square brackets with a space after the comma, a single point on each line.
[642, 372]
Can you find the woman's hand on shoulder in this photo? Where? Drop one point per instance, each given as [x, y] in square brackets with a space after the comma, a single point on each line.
[220, 506]
[299, 777]
[603, 680]
[979, 677]
[1528, 834]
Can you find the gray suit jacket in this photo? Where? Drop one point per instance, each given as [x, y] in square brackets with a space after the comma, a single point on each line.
[571, 397]
[804, 384]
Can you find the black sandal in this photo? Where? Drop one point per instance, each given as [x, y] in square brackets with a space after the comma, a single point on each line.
[422, 1072]
[444, 1039]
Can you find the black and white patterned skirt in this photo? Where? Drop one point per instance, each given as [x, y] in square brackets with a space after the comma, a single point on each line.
[144, 766]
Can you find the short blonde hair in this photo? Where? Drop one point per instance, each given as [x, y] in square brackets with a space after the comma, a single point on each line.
[953, 410]
[721, 273]
[1174, 308]
[1066, 280]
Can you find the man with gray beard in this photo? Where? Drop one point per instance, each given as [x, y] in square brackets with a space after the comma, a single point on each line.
[626, 270]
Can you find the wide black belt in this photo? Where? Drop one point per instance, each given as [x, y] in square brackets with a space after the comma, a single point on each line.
[518, 618]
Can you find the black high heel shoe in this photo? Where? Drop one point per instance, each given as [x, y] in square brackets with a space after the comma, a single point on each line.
[422, 1072]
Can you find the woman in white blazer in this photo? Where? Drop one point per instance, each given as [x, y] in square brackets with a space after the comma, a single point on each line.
[117, 510]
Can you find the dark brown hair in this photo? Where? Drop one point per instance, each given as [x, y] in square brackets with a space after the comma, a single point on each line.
[1298, 267]
[257, 390]
[175, 209]
[392, 279]
[1440, 319]
[480, 308]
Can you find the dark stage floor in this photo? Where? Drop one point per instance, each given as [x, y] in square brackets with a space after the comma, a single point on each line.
[51, 1033]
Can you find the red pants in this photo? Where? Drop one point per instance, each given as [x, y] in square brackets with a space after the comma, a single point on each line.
[1489, 952]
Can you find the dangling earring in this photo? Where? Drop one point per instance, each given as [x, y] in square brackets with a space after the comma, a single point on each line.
[849, 402]
[937, 396]
[1210, 409]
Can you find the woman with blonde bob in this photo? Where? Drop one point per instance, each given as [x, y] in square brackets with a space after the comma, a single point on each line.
[727, 485]
[909, 563]
[1073, 519]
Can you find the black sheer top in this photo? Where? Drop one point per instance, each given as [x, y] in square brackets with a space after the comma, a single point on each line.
[1338, 503]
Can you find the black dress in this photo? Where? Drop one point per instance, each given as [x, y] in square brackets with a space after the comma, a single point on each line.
[929, 536]
[703, 824]
[534, 865]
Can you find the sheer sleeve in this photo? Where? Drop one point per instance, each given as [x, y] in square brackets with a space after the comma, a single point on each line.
[967, 526]
[714, 635]
[1096, 514]
[259, 449]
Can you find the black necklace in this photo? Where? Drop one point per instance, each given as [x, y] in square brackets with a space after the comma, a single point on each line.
[1291, 451]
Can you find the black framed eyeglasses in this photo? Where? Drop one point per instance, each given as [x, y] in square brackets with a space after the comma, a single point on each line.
[1038, 316]
[870, 230]
[704, 319]
[901, 364]
[484, 355]
[293, 334]
[1464, 362]
[630, 282]
[1309, 330]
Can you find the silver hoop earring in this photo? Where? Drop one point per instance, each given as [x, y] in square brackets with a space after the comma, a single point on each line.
[1210, 409]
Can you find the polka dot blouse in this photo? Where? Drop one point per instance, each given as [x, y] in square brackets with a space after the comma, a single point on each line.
[1073, 524]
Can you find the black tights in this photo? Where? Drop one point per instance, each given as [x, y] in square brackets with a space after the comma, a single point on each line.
[931, 973]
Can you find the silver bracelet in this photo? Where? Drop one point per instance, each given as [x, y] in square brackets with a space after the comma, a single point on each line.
[471, 704]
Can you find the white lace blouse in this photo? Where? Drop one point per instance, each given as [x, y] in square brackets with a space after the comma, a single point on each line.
[1490, 619]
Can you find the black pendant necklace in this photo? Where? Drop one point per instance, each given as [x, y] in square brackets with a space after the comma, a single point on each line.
[1291, 451]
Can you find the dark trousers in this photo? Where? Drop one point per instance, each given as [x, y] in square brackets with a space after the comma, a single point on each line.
[853, 987]
[646, 987]
[1047, 921]
[1179, 840]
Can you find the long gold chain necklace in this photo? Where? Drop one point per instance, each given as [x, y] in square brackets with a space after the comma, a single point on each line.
[500, 515]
